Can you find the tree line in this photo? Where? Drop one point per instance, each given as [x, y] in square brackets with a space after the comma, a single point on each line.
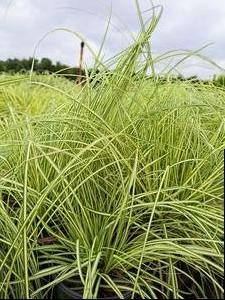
[15, 65]
[40, 66]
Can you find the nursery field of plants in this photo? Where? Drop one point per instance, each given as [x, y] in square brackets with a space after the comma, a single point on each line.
[111, 190]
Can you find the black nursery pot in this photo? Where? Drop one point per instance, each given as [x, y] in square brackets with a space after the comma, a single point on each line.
[62, 291]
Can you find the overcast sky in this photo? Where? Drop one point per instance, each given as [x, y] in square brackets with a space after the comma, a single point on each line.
[185, 24]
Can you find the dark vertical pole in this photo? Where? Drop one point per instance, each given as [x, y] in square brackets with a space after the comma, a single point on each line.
[81, 62]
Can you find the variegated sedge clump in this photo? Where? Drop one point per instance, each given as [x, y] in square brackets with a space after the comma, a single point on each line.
[117, 190]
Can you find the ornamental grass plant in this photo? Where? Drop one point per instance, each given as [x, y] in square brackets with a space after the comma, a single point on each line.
[114, 189]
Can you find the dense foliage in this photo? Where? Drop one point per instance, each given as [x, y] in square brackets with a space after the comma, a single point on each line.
[219, 80]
